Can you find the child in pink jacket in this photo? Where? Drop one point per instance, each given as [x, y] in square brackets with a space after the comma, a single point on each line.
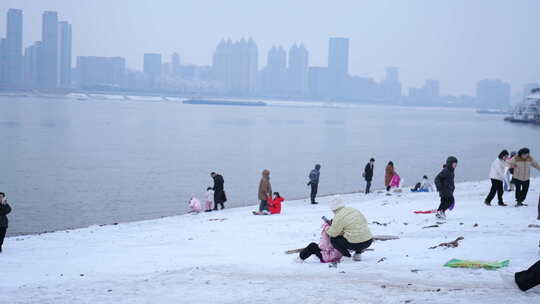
[324, 250]
[194, 205]
[209, 199]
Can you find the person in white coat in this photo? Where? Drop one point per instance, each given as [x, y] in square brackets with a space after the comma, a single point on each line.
[497, 176]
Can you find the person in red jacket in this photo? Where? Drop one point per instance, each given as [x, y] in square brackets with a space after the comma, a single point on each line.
[274, 205]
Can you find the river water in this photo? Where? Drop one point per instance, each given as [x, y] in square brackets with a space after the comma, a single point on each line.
[67, 163]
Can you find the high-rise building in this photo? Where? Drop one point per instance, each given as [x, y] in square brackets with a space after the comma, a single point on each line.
[175, 63]
[65, 44]
[152, 65]
[13, 48]
[429, 94]
[392, 74]
[298, 70]
[493, 93]
[338, 64]
[275, 73]
[318, 83]
[390, 87]
[235, 66]
[2, 61]
[31, 64]
[49, 55]
[101, 71]
[338, 56]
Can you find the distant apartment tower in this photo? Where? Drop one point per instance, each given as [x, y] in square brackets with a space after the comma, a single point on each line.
[493, 93]
[13, 48]
[175, 63]
[101, 71]
[235, 66]
[338, 64]
[275, 73]
[318, 82]
[65, 53]
[152, 65]
[31, 64]
[298, 70]
[2, 61]
[390, 87]
[429, 94]
[49, 56]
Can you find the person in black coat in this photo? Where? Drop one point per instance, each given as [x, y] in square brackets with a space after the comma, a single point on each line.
[5, 209]
[368, 174]
[445, 185]
[219, 193]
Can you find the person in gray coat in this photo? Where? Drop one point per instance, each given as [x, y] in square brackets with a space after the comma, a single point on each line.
[5, 209]
[314, 182]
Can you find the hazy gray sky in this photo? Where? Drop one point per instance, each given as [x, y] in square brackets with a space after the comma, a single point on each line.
[456, 41]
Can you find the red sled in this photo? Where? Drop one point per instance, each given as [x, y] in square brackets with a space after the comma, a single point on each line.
[426, 211]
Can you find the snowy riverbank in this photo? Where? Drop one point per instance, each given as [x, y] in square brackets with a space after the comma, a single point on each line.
[234, 257]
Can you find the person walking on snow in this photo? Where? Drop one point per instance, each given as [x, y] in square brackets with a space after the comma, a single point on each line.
[348, 230]
[497, 176]
[368, 174]
[388, 175]
[219, 193]
[265, 192]
[522, 164]
[444, 182]
[314, 182]
[5, 209]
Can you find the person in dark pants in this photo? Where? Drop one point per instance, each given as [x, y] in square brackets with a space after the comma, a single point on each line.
[314, 182]
[348, 230]
[497, 176]
[445, 185]
[368, 174]
[5, 209]
[529, 278]
[522, 164]
[219, 193]
[265, 192]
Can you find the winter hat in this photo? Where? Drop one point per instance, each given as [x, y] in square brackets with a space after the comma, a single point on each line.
[336, 203]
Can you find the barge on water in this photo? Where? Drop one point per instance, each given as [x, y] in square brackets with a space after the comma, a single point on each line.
[529, 110]
[225, 102]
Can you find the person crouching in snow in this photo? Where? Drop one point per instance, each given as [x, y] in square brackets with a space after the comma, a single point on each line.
[445, 185]
[348, 230]
[274, 205]
[194, 205]
[324, 250]
[209, 199]
[388, 175]
[424, 186]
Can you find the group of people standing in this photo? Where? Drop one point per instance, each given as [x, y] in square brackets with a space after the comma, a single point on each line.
[515, 171]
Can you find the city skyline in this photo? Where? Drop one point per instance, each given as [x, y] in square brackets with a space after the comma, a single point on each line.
[422, 38]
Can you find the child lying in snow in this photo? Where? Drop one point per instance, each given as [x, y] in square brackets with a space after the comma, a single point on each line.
[324, 251]
[194, 205]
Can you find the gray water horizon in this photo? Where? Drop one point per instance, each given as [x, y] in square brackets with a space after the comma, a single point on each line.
[70, 164]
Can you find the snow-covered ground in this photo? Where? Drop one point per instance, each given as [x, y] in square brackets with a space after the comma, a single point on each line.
[232, 256]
